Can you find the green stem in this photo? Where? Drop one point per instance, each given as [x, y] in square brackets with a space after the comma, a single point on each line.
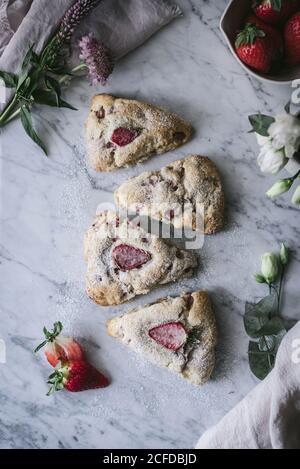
[296, 176]
[280, 285]
[6, 113]
[76, 69]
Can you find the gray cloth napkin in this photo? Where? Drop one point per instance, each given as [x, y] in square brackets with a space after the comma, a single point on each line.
[122, 25]
[269, 417]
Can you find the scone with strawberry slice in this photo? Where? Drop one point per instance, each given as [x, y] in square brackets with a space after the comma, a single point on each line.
[121, 132]
[123, 260]
[179, 334]
[187, 193]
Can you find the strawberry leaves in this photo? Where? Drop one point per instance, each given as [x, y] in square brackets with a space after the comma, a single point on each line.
[276, 5]
[248, 36]
[50, 335]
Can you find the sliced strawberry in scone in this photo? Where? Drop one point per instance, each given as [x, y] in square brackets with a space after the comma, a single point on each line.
[123, 136]
[121, 132]
[176, 333]
[171, 335]
[128, 257]
[123, 260]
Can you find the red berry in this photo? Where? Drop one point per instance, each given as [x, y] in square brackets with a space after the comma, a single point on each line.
[128, 257]
[60, 348]
[123, 136]
[171, 335]
[292, 39]
[271, 33]
[255, 49]
[76, 376]
[275, 11]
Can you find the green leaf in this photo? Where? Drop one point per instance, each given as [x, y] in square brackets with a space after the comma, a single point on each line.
[49, 98]
[261, 123]
[276, 5]
[273, 327]
[257, 315]
[28, 127]
[10, 80]
[53, 84]
[261, 363]
[25, 66]
[248, 35]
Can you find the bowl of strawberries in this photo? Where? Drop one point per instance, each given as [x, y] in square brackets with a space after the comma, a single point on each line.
[264, 36]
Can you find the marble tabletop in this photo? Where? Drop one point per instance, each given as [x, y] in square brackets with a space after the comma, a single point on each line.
[46, 205]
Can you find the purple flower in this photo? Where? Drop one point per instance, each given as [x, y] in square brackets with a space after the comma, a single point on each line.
[97, 58]
[73, 18]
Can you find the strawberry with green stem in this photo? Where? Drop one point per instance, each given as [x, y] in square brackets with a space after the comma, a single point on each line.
[60, 348]
[255, 49]
[275, 11]
[76, 376]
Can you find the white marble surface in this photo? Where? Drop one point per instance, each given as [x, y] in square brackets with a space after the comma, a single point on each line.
[46, 206]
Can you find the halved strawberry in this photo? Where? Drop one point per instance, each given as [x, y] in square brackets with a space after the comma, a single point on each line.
[123, 136]
[292, 39]
[128, 257]
[273, 34]
[255, 49]
[171, 335]
[60, 348]
[76, 376]
[275, 11]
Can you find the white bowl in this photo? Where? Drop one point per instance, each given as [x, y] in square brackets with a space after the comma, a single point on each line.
[231, 23]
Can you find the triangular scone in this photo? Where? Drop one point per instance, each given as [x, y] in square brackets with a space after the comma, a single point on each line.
[120, 132]
[176, 193]
[124, 261]
[177, 333]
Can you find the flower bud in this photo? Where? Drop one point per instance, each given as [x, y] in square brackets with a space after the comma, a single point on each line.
[280, 187]
[284, 254]
[269, 267]
[296, 196]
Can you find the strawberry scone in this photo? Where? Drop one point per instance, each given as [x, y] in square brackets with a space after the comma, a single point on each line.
[120, 132]
[123, 260]
[179, 334]
[187, 193]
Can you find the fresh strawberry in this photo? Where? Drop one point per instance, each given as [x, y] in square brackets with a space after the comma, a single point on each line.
[292, 39]
[76, 376]
[128, 257]
[171, 335]
[122, 136]
[275, 11]
[255, 49]
[272, 33]
[60, 348]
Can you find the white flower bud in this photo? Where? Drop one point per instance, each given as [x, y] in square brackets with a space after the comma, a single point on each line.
[296, 196]
[280, 187]
[270, 160]
[284, 254]
[269, 267]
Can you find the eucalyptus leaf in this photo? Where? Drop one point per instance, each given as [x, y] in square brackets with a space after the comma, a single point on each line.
[53, 84]
[261, 123]
[258, 315]
[28, 127]
[10, 80]
[261, 363]
[25, 65]
[273, 327]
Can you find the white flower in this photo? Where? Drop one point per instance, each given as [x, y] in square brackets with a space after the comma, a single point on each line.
[262, 140]
[285, 134]
[270, 160]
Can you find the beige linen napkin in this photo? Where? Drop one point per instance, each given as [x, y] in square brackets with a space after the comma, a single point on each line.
[269, 417]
